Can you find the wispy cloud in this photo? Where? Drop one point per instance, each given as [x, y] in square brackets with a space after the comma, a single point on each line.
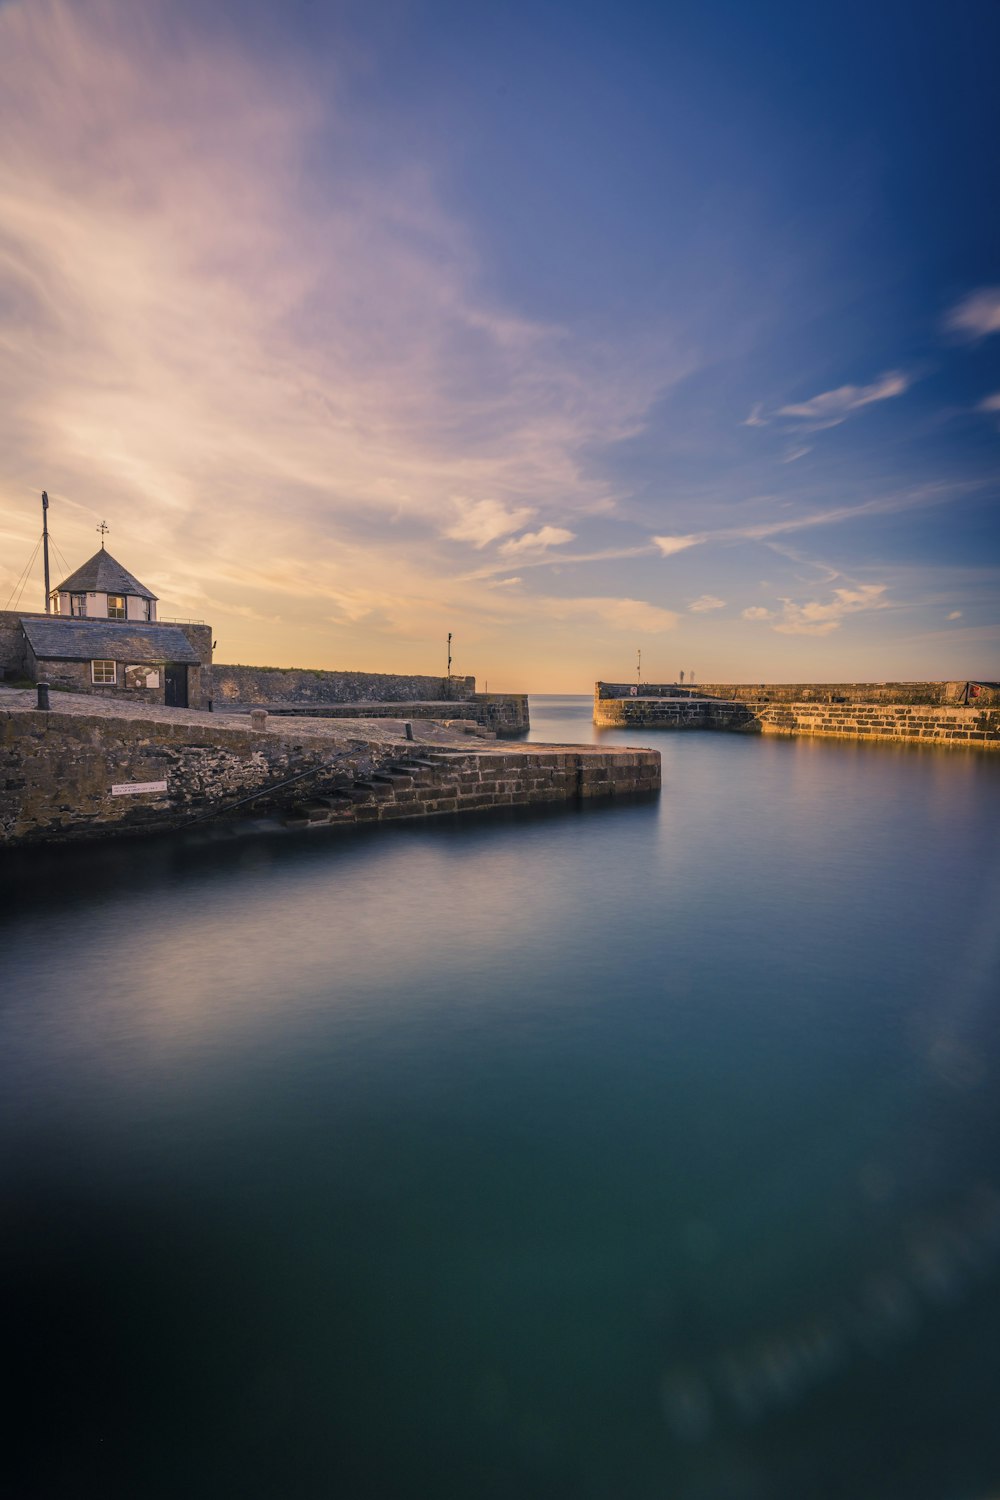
[977, 315]
[956, 614]
[619, 614]
[793, 454]
[756, 417]
[483, 521]
[990, 405]
[818, 617]
[901, 500]
[312, 388]
[830, 408]
[669, 545]
[705, 603]
[538, 541]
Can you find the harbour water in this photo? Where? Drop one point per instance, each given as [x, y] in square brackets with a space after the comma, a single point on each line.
[647, 1150]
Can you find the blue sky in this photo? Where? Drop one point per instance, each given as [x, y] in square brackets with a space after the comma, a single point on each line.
[574, 331]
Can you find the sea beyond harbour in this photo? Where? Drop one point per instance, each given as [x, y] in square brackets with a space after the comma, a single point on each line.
[649, 1149]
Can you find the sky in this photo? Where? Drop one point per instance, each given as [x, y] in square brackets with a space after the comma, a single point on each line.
[574, 330]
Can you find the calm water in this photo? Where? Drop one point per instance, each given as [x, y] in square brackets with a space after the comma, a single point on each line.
[649, 1151]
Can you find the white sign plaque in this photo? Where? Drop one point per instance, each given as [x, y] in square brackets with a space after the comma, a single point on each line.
[129, 788]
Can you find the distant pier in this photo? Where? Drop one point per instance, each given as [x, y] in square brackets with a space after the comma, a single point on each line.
[955, 714]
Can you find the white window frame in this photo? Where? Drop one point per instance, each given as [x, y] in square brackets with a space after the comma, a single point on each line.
[78, 606]
[123, 615]
[111, 681]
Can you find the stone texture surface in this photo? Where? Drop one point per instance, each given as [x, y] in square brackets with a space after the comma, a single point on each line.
[57, 769]
[299, 685]
[906, 693]
[925, 722]
[673, 712]
[506, 714]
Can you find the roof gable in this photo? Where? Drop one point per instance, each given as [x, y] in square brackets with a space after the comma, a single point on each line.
[103, 574]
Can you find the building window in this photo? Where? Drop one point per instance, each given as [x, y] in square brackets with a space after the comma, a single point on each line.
[103, 671]
[116, 606]
[145, 609]
[78, 604]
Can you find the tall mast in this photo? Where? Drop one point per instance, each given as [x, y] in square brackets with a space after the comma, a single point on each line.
[45, 549]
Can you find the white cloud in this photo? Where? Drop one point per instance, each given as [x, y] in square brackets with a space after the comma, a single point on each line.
[668, 545]
[755, 419]
[502, 583]
[956, 614]
[482, 521]
[832, 407]
[762, 531]
[820, 618]
[794, 453]
[990, 404]
[538, 541]
[279, 382]
[705, 603]
[976, 315]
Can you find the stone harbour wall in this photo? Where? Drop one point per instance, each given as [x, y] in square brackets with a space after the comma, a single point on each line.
[300, 685]
[941, 722]
[432, 783]
[915, 723]
[673, 713]
[908, 693]
[58, 771]
[506, 715]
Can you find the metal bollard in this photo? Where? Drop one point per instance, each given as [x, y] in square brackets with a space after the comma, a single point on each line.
[43, 695]
[258, 718]
[408, 727]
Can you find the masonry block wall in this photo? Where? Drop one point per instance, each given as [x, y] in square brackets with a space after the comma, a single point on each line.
[924, 722]
[671, 712]
[908, 693]
[286, 685]
[919, 723]
[58, 771]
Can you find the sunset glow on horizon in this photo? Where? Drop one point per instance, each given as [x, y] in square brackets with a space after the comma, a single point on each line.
[570, 332]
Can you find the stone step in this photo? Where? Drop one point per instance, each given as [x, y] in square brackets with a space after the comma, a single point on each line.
[314, 812]
[372, 788]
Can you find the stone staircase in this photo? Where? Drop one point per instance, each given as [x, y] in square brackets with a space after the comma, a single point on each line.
[404, 787]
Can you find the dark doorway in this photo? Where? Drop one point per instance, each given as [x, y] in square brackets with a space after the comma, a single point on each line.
[175, 686]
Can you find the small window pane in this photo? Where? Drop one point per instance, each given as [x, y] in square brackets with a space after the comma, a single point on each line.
[102, 671]
[116, 606]
[78, 604]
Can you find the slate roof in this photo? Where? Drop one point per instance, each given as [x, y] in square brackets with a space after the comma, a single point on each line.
[103, 574]
[127, 641]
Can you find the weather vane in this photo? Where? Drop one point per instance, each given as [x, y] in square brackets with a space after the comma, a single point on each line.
[104, 528]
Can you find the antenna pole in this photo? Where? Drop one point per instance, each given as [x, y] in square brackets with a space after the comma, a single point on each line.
[45, 549]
